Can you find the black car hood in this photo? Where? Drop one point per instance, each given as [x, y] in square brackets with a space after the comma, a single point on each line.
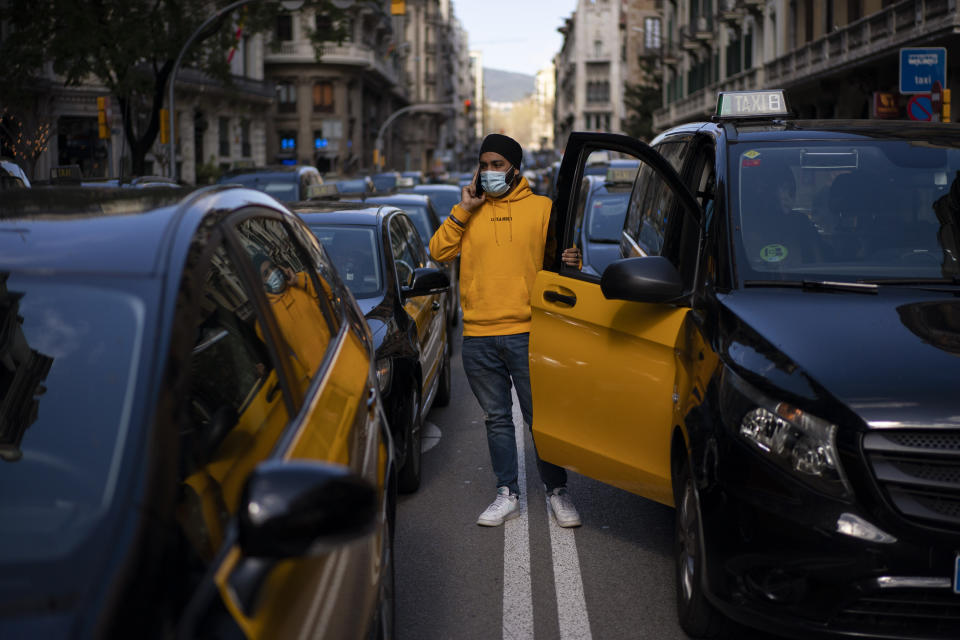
[892, 358]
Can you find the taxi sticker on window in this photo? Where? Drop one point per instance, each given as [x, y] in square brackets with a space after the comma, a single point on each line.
[751, 158]
[773, 253]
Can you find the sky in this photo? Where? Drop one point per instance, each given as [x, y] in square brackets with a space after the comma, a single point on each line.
[514, 35]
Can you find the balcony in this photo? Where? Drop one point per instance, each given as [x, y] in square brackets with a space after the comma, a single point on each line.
[754, 6]
[347, 54]
[881, 33]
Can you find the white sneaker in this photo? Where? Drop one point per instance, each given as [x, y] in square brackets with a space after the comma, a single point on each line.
[562, 507]
[505, 507]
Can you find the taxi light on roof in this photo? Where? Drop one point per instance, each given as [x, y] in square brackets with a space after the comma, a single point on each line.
[752, 104]
[623, 175]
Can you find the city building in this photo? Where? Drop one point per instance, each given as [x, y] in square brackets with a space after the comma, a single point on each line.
[545, 90]
[834, 59]
[591, 68]
[327, 113]
[479, 95]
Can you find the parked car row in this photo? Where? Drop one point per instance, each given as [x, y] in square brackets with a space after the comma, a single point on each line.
[199, 415]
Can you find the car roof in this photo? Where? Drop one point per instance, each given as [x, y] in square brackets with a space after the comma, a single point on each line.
[437, 187]
[787, 129]
[105, 230]
[337, 212]
[277, 168]
[401, 198]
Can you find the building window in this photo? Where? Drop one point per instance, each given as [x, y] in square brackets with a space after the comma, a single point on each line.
[598, 48]
[224, 135]
[598, 92]
[323, 97]
[288, 141]
[651, 34]
[245, 138]
[854, 10]
[286, 97]
[284, 30]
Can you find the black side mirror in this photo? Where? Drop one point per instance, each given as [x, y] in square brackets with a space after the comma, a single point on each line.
[291, 508]
[426, 280]
[648, 279]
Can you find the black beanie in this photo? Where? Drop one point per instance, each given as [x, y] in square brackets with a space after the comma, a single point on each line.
[505, 146]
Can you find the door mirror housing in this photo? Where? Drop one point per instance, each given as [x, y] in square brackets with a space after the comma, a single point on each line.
[426, 281]
[646, 279]
[290, 509]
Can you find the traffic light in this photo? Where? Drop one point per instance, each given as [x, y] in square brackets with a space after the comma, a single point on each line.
[103, 104]
[467, 107]
[164, 126]
[398, 7]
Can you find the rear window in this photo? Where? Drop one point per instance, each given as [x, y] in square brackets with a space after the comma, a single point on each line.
[285, 187]
[353, 250]
[69, 358]
[605, 217]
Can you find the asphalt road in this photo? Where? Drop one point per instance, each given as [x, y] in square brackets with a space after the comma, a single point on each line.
[611, 578]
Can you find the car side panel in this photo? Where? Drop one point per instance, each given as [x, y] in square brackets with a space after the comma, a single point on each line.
[587, 426]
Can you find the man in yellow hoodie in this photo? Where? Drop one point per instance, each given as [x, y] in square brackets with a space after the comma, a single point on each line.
[500, 233]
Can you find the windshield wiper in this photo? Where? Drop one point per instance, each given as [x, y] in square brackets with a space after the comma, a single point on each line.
[815, 285]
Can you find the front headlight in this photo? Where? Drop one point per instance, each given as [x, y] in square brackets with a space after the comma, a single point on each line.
[384, 374]
[800, 443]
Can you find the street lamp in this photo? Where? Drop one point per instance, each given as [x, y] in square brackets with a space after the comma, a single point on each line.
[289, 5]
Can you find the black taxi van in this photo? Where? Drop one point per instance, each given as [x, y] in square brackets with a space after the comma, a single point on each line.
[191, 440]
[777, 355]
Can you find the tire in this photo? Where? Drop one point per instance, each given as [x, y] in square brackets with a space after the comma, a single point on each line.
[442, 398]
[408, 480]
[697, 617]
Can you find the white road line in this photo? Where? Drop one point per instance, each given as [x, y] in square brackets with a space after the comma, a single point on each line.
[571, 605]
[517, 586]
[430, 438]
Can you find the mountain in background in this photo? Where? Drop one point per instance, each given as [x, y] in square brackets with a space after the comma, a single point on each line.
[506, 86]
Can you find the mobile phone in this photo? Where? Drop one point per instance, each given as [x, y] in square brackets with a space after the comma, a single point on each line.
[478, 187]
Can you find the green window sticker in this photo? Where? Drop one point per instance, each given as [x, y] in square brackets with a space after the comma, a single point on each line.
[773, 253]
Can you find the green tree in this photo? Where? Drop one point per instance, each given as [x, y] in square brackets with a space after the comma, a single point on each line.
[642, 99]
[130, 46]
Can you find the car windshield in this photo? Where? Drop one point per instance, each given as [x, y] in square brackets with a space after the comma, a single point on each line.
[285, 187]
[605, 215]
[858, 210]
[384, 182]
[70, 356]
[353, 250]
[444, 200]
[418, 214]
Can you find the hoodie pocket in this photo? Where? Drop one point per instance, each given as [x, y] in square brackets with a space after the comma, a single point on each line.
[497, 298]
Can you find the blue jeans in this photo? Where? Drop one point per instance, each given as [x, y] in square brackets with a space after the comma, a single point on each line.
[490, 363]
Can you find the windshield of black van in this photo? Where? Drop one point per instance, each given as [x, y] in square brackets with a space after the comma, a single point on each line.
[68, 355]
[858, 210]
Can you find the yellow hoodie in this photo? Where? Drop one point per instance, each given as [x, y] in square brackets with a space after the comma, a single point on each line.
[501, 248]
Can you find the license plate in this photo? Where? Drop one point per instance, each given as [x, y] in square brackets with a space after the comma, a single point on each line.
[956, 574]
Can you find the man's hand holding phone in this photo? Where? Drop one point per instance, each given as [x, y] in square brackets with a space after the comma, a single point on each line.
[472, 196]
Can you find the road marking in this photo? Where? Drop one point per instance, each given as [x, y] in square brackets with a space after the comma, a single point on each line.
[517, 586]
[571, 605]
[430, 438]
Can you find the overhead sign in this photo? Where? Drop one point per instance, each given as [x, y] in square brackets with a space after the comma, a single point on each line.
[920, 108]
[920, 68]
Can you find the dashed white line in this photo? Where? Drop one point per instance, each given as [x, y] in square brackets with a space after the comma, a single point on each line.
[517, 585]
[571, 605]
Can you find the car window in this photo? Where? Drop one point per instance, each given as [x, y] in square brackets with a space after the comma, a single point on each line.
[605, 216]
[651, 202]
[324, 271]
[414, 241]
[846, 209]
[421, 220]
[234, 402]
[353, 250]
[292, 292]
[69, 354]
[404, 257]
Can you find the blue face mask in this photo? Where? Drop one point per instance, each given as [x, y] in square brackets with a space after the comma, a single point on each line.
[494, 182]
[276, 282]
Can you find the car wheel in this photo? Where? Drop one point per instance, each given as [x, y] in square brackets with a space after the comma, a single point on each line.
[442, 398]
[698, 618]
[408, 480]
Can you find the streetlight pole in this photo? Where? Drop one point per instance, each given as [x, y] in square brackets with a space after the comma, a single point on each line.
[289, 5]
[427, 107]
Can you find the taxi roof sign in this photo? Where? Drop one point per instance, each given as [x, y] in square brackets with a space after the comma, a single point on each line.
[752, 104]
[622, 175]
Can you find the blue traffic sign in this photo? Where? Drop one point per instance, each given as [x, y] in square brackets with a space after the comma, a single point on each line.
[920, 108]
[920, 68]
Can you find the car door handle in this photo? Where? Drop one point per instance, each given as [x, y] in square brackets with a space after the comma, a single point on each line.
[556, 296]
[435, 306]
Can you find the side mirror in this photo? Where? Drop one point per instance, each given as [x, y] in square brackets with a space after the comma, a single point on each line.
[426, 280]
[290, 508]
[648, 279]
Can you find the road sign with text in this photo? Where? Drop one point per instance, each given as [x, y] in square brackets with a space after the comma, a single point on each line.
[920, 68]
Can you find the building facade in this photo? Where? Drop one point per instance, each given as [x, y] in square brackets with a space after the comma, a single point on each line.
[544, 94]
[831, 57]
[327, 113]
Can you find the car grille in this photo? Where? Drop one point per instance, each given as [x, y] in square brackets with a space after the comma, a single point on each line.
[919, 471]
[914, 614]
